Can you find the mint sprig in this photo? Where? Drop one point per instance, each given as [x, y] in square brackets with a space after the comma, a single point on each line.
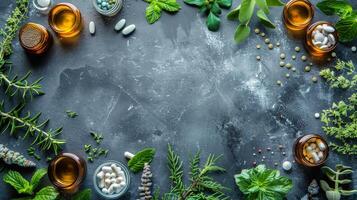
[153, 11]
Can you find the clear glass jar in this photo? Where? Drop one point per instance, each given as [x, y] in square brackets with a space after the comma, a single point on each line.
[314, 51]
[297, 16]
[110, 12]
[67, 171]
[122, 191]
[34, 38]
[310, 150]
[65, 19]
[42, 6]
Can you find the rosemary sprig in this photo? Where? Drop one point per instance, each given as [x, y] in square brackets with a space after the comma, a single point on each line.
[44, 139]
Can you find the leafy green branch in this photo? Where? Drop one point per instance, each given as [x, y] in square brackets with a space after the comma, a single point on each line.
[153, 11]
[244, 12]
[345, 79]
[45, 139]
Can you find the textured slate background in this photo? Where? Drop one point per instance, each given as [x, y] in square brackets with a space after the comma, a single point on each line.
[176, 82]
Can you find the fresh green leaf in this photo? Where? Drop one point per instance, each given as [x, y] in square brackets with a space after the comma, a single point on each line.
[333, 195]
[329, 7]
[71, 114]
[36, 178]
[153, 13]
[176, 172]
[274, 3]
[46, 193]
[260, 183]
[98, 137]
[213, 22]
[264, 19]
[136, 164]
[215, 9]
[262, 4]
[324, 185]
[85, 194]
[246, 11]
[234, 14]
[242, 33]
[347, 28]
[169, 5]
[198, 3]
[21, 185]
[225, 3]
[348, 192]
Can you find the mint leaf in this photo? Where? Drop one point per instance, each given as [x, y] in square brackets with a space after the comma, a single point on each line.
[262, 4]
[153, 12]
[225, 3]
[340, 8]
[264, 19]
[347, 28]
[85, 194]
[215, 9]
[246, 11]
[136, 164]
[195, 2]
[234, 14]
[169, 5]
[21, 185]
[242, 33]
[213, 22]
[274, 3]
[46, 193]
[35, 180]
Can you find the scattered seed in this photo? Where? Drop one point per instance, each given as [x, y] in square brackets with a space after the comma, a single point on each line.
[293, 69]
[278, 44]
[282, 56]
[317, 115]
[272, 153]
[310, 64]
[258, 57]
[314, 79]
[281, 146]
[267, 40]
[270, 46]
[328, 59]
[258, 46]
[303, 58]
[354, 48]
[288, 65]
[333, 54]
[287, 75]
[284, 153]
[293, 57]
[297, 49]
[254, 154]
[268, 149]
[254, 163]
[282, 63]
[263, 157]
[257, 30]
[278, 82]
[262, 34]
[276, 164]
[259, 151]
[307, 68]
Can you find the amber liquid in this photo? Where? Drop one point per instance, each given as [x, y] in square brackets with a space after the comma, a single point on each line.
[66, 171]
[299, 13]
[65, 20]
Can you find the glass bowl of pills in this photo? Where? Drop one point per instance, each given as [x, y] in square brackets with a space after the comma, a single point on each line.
[108, 8]
[310, 150]
[111, 179]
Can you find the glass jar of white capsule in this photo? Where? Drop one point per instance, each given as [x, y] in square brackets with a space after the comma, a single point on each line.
[108, 8]
[111, 180]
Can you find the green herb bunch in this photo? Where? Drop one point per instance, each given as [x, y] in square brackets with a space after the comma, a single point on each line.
[334, 193]
[346, 77]
[96, 152]
[347, 24]
[44, 139]
[153, 11]
[340, 121]
[137, 163]
[260, 183]
[213, 9]
[244, 12]
[202, 186]
[28, 188]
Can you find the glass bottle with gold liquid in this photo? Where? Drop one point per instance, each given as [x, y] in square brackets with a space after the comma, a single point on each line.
[34, 38]
[65, 19]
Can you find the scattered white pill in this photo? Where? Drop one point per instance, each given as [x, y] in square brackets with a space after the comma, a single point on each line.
[129, 29]
[91, 27]
[287, 165]
[118, 26]
[354, 48]
[317, 115]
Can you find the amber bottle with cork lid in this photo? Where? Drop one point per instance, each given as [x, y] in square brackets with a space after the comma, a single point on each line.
[67, 171]
[297, 16]
[310, 150]
[34, 38]
[65, 19]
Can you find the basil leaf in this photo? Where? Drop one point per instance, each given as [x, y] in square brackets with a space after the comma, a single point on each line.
[46, 193]
[262, 4]
[215, 9]
[234, 14]
[35, 180]
[347, 28]
[153, 13]
[274, 3]
[195, 2]
[340, 8]
[169, 5]
[264, 19]
[213, 22]
[246, 11]
[242, 33]
[225, 3]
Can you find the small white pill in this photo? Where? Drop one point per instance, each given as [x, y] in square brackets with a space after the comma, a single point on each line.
[315, 157]
[105, 191]
[320, 154]
[328, 28]
[91, 27]
[100, 174]
[322, 146]
[107, 169]
[101, 183]
[129, 29]
[287, 165]
[317, 115]
[122, 184]
[128, 155]
[107, 182]
[118, 26]
[353, 48]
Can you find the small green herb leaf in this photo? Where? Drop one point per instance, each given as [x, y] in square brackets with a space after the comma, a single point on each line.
[246, 11]
[215, 9]
[198, 3]
[71, 114]
[264, 19]
[262, 4]
[347, 28]
[225, 3]
[21, 185]
[324, 185]
[136, 164]
[98, 137]
[213, 22]
[242, 33]
[234, 14]
[153, 13]
[36, 178]
[341, 8]
[274, 3]
[169, 5]
[46, 193]
[85, 194]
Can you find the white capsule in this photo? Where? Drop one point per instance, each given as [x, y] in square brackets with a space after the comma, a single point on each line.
[91, 27]
[316, 43]
[105, 191]
[107, 175]
[122, 184]
[100, 175]
[106, 169]
[325, 41]
[319, 37]
[328, 28]
[129, 29]
[119, 179]
[319, 28]
[324, 47]
[353, 48]
[320, 154]
[315, 157]
[118, 26]
[331, 38]
[128, 155]
[107, 182]
[287, 165]
[322, 146]
[317, 115]
[309, 149]
[101, 183]
[116, 169]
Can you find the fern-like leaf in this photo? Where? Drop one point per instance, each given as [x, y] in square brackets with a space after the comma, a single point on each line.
[175, 167]
[195, 165]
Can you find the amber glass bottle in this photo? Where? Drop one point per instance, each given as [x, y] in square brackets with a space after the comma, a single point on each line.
[67, 171]
[310, 150]
[65, 19]
[297, 16]
[34, 38]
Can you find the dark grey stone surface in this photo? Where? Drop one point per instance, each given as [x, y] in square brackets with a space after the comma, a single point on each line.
[176, 82]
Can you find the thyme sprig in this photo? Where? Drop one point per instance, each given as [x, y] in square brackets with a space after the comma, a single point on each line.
[344, 79]
[44, 139]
